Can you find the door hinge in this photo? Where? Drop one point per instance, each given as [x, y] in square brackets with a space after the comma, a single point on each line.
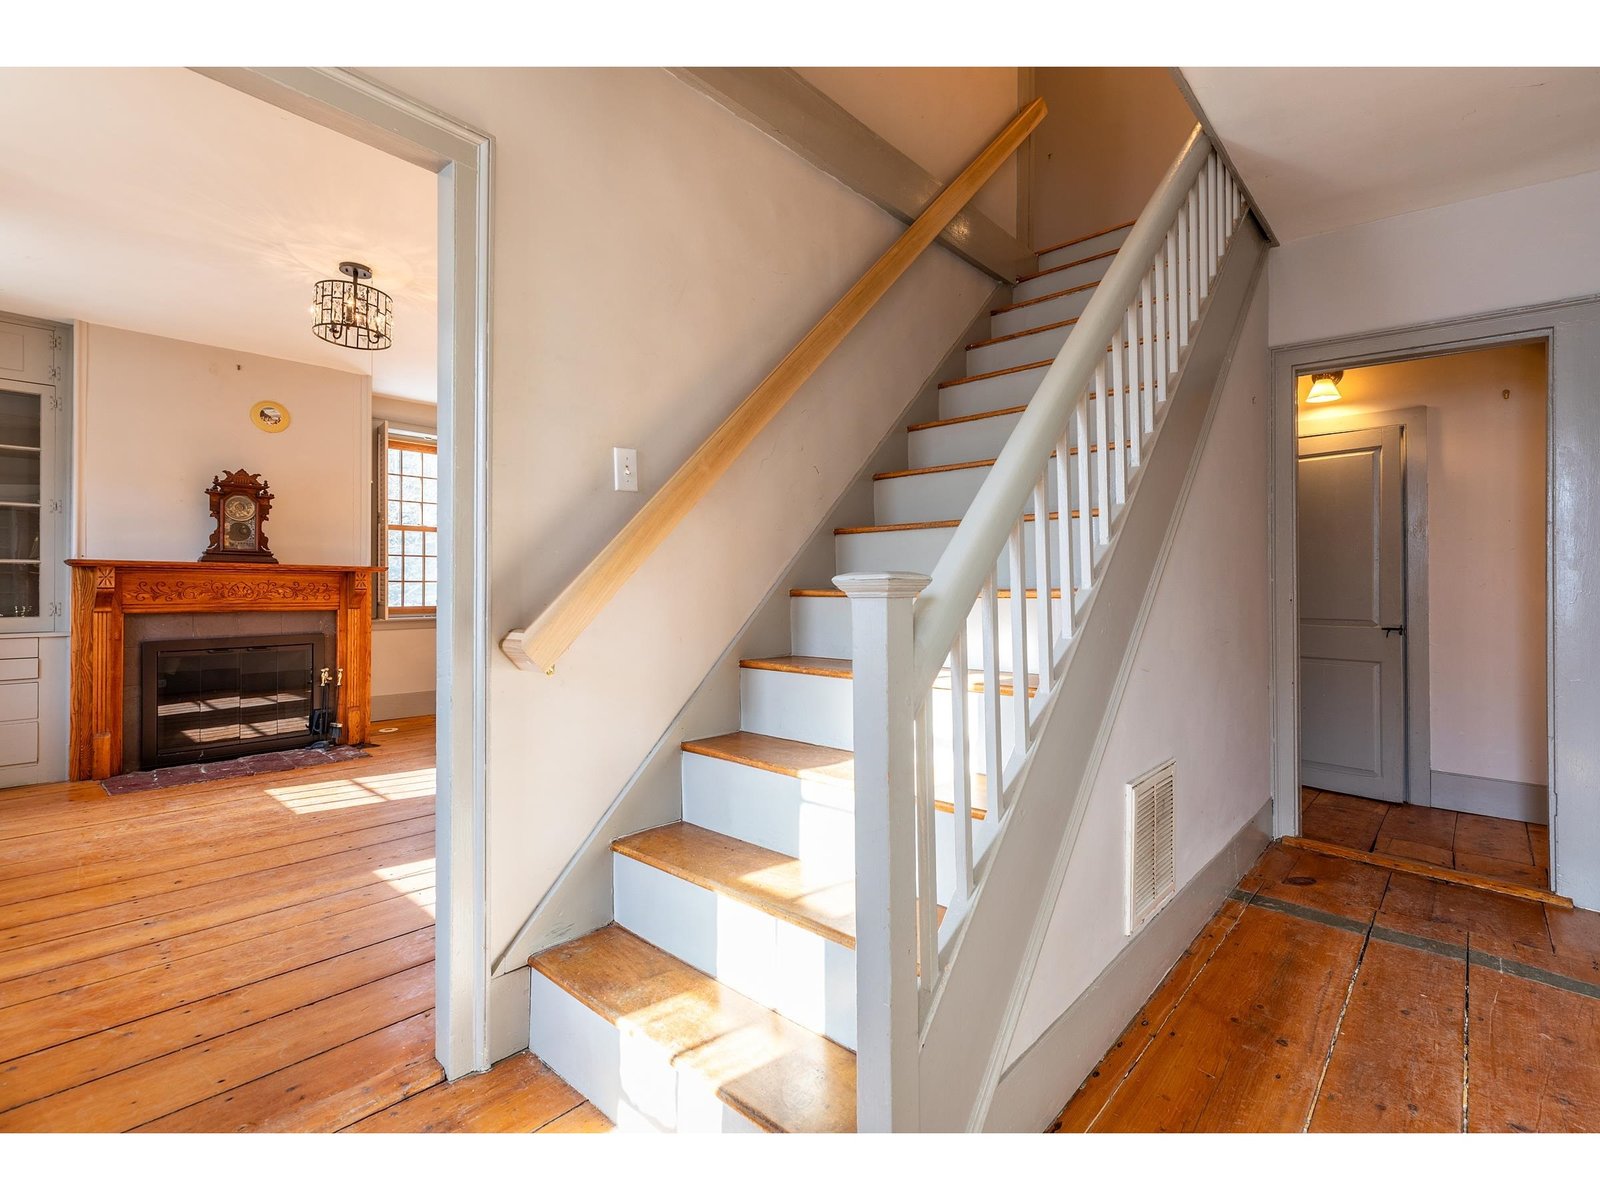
[55, 506]
[55, 373]
[55, 608]
[55, 341]
[55, 401]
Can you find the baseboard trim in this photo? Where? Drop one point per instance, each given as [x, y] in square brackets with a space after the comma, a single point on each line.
[403, 704]
[1035, 1087]
[1492, 797]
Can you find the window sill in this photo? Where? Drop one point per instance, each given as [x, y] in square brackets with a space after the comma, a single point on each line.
[406, 623]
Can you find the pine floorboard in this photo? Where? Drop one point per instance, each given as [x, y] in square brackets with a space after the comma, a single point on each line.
[1326, 999]
[238, 955]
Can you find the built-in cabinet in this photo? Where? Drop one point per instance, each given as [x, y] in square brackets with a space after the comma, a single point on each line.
[35, 387]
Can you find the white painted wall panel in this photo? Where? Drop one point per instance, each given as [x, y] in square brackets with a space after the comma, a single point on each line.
[1197, 693]
[1527, 246]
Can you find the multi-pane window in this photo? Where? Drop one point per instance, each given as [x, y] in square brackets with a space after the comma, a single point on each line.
[413, 526]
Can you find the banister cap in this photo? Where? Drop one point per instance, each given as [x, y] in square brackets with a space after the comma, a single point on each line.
[881, 585]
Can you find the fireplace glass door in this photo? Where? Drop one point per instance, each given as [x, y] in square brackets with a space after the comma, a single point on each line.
[225, 697]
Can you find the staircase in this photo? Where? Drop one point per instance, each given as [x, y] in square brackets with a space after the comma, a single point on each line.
[724, 995]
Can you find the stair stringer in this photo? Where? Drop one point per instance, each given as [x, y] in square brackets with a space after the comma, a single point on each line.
[964, 1039]
[580, 900]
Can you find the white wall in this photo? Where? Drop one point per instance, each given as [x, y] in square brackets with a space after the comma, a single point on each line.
[938, 117]
[653, 257]
[1486, 547]
[1526, 246]
[157, 419]
[1197, 693]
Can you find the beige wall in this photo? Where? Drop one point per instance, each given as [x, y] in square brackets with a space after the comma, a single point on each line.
[158, 418]
[653, 257]
[939, 117]
[1111, 134]
[1486, 547]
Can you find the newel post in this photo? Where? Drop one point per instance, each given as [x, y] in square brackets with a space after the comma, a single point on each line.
[887, 1007]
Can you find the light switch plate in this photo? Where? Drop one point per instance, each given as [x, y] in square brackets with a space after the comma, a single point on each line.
[624, 469]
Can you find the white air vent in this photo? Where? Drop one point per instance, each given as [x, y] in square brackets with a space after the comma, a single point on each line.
[1151, 878]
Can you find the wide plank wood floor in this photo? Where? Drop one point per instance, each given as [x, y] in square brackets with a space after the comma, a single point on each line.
[1493, 847]
[238, 955]
[1330, 995]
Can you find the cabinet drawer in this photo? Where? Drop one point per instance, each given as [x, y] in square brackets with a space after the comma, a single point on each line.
[19, 701]
[19, 668]
[19, 648]
[19, 743]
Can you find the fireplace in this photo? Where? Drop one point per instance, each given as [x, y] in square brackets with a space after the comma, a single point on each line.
[205, 699]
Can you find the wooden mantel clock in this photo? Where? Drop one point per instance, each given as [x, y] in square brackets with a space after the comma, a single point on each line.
[240, 502]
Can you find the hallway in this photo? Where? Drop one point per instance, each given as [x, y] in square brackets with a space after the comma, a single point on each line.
[1334, 996]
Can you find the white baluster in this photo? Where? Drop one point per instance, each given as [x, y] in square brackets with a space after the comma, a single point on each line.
[1185, 311]
[1203, 241]
[1080, 434]
[1136, 387]
[1018, 558]
[888, 1004]
[1043, 620]
[1102, 475]
[1117, 445]
[927, 861]
[961, 755]
[1168, 271]
[1066, 529]
[989, 620]
[1150, 332]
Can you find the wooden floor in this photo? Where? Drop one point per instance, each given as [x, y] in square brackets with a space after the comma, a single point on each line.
[1510, 851]
[251, 954]
[1330, 995]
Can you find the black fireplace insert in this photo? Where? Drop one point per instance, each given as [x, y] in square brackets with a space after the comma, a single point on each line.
[217, 698]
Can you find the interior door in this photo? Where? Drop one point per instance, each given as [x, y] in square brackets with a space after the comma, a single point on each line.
[1352, 613]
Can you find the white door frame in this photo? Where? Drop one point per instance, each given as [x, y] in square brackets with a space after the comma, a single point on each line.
[352, 105]
[1571, 331]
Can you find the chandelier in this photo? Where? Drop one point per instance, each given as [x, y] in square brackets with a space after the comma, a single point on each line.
[348, 312]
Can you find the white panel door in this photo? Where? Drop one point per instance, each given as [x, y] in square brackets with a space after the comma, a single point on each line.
[1352, 614]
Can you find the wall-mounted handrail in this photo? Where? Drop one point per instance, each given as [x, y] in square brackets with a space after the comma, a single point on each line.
[547, 637]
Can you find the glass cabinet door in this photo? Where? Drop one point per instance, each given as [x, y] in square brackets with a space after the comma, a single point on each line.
[22, 499]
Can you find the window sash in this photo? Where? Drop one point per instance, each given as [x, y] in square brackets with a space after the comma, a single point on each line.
[402, 442]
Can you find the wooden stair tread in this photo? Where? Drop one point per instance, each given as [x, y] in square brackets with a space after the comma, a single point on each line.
[1005, 308]
[1088, 237]
[971, 465]
[774, 883]
[1021, 333]
[781, 1076]
[836, 594]
[993, 412]
[799, 664]
[914, 525]
[1067, 266]
[807, 761]
[1033, 366]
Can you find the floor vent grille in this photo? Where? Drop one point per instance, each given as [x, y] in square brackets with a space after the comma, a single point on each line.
[1152, 878]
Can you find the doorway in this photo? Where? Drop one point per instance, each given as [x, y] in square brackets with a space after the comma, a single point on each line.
[1421, 503]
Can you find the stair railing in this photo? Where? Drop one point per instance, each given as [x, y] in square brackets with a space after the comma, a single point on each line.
[1049, 509]
[548, 636]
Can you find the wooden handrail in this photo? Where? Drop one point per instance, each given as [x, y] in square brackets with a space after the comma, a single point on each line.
[538, 646]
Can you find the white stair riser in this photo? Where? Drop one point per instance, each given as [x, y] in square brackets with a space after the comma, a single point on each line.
[819, 626]
[918, 550]
[1105, 241]
[625, 1075]
[1032, 316]
[798, 817]
[941, 496]
[1068, 277]
[803, 708]
[986, 395]
[1035, 347]
[789, 969]
[965, 441]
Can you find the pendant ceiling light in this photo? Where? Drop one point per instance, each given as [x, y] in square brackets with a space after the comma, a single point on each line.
[1325, 387]
[348, 312]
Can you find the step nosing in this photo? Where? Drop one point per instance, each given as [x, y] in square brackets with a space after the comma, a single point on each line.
[1067, 266]
[1088, 237]
[1033, 366]
[1005, 308]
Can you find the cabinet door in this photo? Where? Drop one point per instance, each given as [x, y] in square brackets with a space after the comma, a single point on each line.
[29, 507]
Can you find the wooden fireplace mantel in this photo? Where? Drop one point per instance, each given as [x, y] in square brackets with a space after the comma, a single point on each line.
[104, 591]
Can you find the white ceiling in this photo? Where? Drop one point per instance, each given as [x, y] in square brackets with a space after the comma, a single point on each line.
[162, 201]
[1325, 147]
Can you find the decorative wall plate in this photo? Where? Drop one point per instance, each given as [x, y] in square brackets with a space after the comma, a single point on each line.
[271, 416]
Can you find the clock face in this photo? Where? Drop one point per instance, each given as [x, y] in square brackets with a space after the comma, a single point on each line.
[240, 529]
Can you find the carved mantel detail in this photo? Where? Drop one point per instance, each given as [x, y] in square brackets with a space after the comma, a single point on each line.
[104, 592]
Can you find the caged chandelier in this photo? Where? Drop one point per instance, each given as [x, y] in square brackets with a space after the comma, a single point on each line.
[348, 312]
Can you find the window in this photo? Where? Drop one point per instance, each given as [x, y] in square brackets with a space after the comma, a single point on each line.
[411, 532]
